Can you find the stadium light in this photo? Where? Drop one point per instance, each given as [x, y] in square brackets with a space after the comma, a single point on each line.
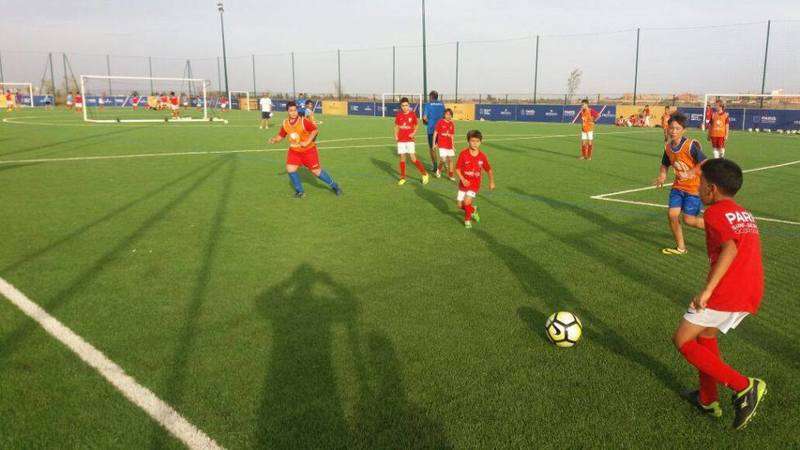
[424, 54]
[221, 9]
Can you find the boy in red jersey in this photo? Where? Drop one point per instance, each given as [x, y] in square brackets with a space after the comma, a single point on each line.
[470, 166]
[719, 126]
[78, 102]
[665, 122]
[443, 143]
[135, 101]
[733, 290]
[405, 126]
[588, 117]
[174, 104]
[302, 134]
[11, 104]
[685, 157]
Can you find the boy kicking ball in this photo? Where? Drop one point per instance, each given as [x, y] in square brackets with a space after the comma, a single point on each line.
[470, 166]
[733, 290]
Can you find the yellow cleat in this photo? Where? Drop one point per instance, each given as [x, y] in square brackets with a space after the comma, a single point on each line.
[425, 178]
[401, 181]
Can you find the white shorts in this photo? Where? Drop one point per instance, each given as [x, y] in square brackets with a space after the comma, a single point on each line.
[223, 105]
[69, 103]
[406, 148]
[464, 194]
[587, 135]
[446, 152]
[79, 105]
[101, 103]
[721, 320]
[174, 107]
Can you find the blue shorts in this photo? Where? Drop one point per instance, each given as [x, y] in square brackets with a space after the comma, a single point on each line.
[688, 203]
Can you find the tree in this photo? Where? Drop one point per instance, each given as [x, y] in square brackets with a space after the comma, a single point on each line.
[574, 81]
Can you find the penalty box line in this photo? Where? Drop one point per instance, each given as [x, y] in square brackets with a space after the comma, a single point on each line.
[488, 140]
[607, 197]
[145, 399]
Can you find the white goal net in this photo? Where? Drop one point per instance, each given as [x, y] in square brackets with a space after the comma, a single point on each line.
[390, 103]
[20, 94]
[771, 113]
[109, 99]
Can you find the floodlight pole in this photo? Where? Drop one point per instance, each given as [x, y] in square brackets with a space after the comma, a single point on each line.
[52, 77]
[1, 68]
[66, 77]
[424, 55]
[457, 49]
[294, 85]
[536, 71]
[253, 60]
[150, 70]
[108, 70]
[636, 67]
[764, 73]
[394, 70]
[221, 9]
[339, 67]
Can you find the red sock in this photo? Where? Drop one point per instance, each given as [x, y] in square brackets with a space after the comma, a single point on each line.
[402, 169]
[708, 385]
[469, 209]
[450, 174]
[710, 364]
[591, 149]
[419, 165]
[583, 150]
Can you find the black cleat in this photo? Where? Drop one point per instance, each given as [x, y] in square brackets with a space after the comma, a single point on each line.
[337, 190]
[746, 402]
[712, 409]
[299, 194]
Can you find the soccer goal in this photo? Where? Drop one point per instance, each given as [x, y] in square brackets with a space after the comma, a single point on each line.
[239, 95]
[415, 99]
[754, 109]
[118, 99]
[22, 93]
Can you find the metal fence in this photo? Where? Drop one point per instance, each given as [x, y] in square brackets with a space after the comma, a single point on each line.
[657, 65]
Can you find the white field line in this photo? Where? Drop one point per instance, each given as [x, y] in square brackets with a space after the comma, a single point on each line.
[139, 395]
[265, 150]
[607, 197]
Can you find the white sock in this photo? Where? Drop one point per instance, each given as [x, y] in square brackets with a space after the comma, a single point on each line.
[716, 153]
[722, 152]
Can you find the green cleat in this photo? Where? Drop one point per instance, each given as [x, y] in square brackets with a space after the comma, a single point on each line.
[468, 224]
[712, 409]
[476, 216]
[425, 178]
[746, 402]
[673, 251]
[401, 181]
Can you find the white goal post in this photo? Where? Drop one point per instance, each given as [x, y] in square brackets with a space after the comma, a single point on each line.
[713, 97]
[411, 98]
[232, 94]
[15, 88]
[119, 108]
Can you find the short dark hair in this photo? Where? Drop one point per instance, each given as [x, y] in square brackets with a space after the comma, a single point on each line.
[434, 95]
[404, 100]
[309, 102]
[678, 117]
[586, 100]
[725, 174]
[290, 104]
[448, 110]
[474, 134]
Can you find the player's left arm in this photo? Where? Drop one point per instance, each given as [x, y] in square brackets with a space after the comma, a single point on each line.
[726, 257]
[313, 132]
[490, 172]
[698, 157]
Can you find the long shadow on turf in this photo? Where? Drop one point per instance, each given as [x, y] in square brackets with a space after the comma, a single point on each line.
[15, 166]
[437, 200]
[8, 344]
[108, 216]
[679, 293]
[315, 337]
[175, 384]
[539, 283]
[82, 140]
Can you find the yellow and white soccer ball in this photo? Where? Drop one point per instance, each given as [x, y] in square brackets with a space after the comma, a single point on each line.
[564, 329]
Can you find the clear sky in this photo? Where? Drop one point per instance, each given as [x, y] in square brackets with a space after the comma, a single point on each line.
[671, 60]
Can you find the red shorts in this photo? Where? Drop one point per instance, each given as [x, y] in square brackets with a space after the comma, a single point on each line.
[717, 142]
[308, 158]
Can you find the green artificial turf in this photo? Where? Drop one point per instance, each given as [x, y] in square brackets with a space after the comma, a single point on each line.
[374, 319]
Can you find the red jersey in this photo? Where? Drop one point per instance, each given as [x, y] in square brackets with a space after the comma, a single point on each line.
[163, 99]
[9, 96]
[174, 100]
[135, 100]
[78, 99]
[471, 168]
[588, 117]
[742, 286]
[407, 124]
[298, 131]
[445, 130]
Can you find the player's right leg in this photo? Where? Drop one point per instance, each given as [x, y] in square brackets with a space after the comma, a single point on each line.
[402, 157]
[293, 161]
[413, 155]
[674, 220]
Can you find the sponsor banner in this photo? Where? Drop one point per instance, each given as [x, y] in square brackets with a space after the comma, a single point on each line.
[334, 108]
[772, 119]
[361, 109]
[496, 112]
[462, 111]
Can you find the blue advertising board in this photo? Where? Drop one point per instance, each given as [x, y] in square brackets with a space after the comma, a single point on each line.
[361, 108]
[772, 119]
[496, 112]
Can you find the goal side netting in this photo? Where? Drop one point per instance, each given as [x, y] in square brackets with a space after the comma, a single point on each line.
[772, 113]
[112, 99]
[21, 94]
